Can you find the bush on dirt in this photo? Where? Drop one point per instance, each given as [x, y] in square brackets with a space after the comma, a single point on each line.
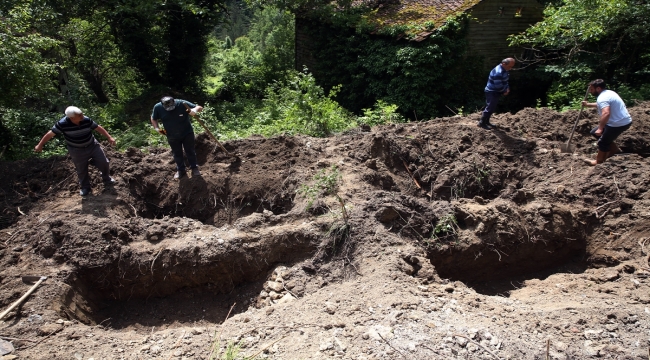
[445, 231]
[381, 113]
[324, 183]
[231, 352]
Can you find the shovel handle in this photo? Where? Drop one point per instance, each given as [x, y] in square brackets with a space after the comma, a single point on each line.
[19, 301]
[578, 118]
[206, 129]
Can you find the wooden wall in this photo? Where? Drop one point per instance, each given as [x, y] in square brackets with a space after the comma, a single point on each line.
[493, 21]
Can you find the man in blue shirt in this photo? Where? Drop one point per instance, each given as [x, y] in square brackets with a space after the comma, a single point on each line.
[82, 145]
[496, 86]
[614, 119]
[179, 131]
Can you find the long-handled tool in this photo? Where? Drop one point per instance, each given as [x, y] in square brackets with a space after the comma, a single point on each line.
[568, 148]
[207, 130]
[26, 279]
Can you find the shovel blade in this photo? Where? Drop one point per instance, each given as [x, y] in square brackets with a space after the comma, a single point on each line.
[27, 279]
[567, 148]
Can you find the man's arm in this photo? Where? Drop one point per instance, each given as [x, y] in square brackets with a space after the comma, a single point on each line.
[154, 123]
[195, 110]
[604, 118]
[103, 131]
[47, 137]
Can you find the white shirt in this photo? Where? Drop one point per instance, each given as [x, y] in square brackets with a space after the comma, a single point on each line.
[618, 115]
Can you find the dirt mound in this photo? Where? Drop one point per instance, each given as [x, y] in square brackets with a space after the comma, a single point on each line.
[423, 240]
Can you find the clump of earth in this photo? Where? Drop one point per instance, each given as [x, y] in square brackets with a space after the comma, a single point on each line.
[428, 240]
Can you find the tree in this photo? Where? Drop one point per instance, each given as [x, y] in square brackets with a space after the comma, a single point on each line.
[254, 61]
[25, 71]
[606, 38]
[166, 41]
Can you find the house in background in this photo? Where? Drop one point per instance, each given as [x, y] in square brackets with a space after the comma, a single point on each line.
[492, 21]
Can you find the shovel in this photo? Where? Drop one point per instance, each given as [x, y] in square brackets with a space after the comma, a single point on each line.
[26, 279]
[208, 130]
[568, 148]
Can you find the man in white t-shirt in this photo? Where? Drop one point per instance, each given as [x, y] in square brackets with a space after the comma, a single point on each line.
[614, 119]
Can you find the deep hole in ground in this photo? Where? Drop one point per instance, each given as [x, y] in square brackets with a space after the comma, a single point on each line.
[226, 190]
[181, 282]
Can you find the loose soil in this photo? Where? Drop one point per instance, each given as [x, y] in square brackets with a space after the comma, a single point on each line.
[429, 240]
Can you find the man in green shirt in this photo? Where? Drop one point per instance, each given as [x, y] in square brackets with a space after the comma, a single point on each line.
[178, 128]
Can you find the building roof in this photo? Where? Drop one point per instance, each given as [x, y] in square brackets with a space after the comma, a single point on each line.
[423, 16]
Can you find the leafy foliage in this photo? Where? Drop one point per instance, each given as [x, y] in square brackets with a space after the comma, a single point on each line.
[166, 42]
[419, 77]
[297, 105]
[20, 131]
[581, 40]
[244, 68]
[381, 113]
[25, 71]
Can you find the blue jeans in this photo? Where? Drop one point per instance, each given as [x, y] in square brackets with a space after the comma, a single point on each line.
[608, 136]
[491, 101]
[178, 145]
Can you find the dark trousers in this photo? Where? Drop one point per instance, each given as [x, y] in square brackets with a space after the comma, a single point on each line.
[491, 101]
[608, 136]
[178, 145]
[81, 157]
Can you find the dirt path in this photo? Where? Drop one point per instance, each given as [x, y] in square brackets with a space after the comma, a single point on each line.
[432, 240]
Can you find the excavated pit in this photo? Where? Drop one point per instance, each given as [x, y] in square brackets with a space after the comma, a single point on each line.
[181, 277]
[496, 272]
[517, 242]
[231, 186]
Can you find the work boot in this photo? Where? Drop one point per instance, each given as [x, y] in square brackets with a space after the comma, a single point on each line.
[484, 122]
[179, 174]
[196, 172]
[84, 192]
[600, 158]
[109, 182]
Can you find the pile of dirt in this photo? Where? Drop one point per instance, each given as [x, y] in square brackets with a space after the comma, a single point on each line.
[424, 240]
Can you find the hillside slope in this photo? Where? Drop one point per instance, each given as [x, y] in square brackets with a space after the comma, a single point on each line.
[419, 241]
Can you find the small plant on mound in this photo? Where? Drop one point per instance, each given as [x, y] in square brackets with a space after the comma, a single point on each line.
[381, 113]
[458, 188]
[340, 231]
[230, 353]
[324, 183]
[482, 174]
[446, 229]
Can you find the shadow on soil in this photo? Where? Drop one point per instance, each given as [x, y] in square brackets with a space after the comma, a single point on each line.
[183, 285]
[494, 272]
